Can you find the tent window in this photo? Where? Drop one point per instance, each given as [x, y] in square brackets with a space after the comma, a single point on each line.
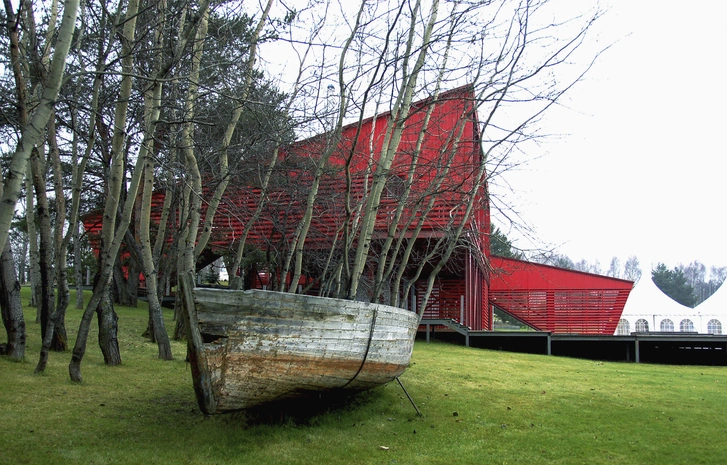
[714, 327]
[642, 326]
[667, 325]
[623, 327]
[686, 326]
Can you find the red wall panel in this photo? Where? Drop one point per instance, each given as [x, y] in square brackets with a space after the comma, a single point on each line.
[556, 299]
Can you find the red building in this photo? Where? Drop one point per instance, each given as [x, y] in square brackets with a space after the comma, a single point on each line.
[440, 152]
[554, 299]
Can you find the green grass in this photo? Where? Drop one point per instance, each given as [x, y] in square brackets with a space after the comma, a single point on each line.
[479, 407]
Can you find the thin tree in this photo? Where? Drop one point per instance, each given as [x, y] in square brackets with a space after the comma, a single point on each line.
[632, 269]
[31, 140]
[614, 269]
[33, 131]
[110, 236]
[412, 59]
[152, 253]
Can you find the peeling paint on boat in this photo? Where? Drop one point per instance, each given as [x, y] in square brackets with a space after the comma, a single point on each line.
[251, 347]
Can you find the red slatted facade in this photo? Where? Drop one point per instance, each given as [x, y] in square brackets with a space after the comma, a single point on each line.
[451, 132]
[546, 298]
[451, 138]
[558, 300]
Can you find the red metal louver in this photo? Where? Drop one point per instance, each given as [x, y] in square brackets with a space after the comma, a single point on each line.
[556, 299]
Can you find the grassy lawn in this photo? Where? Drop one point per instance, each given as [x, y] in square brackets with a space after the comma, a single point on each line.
[479, 407]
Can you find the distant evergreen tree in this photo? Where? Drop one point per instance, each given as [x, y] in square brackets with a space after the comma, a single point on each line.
[674, 284]
[501, 246]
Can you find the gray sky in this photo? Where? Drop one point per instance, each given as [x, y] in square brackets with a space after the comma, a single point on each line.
[641, 170]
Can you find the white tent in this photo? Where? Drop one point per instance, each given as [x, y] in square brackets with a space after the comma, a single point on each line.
[712, 313]
[649, 309]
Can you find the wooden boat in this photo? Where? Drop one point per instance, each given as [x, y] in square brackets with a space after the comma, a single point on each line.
[247, 348]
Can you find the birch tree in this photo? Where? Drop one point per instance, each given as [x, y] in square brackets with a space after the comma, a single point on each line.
[45, 76]
[32, 132]
[110, 235]
[113, 234]
[195, 232]
[151, 253]
[392, 54]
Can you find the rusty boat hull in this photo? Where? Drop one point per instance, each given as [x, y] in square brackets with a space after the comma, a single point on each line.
[248, 348]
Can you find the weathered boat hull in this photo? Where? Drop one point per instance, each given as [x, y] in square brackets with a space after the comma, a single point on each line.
[251, 347]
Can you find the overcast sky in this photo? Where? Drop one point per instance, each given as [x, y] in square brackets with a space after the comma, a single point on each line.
[642, 169]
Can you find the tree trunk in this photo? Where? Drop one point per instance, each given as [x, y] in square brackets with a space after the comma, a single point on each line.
[214, 202]
[60, 338]
[388, 150]
[47, 278]
[179, 330]
[295, 254]
[23, 261]
[111, 242]
[121, 288]
[35, 292]
[156, 327]
[53, 329]
[78, 269]
[11, 307]
[108, 329]
[132, 284]
[186, 262]
[79, 168]
[111, 237]
[156, 319]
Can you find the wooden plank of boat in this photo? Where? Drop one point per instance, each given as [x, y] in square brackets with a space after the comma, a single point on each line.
[251, 347]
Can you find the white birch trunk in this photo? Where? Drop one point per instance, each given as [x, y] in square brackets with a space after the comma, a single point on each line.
[32, 133]
[388, 152]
